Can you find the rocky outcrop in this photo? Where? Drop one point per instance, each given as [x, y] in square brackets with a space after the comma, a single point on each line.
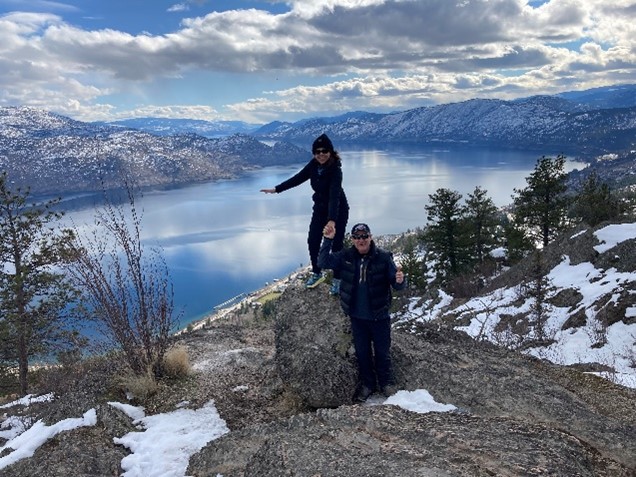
[493, 382]
[380, 441]
[519, 416]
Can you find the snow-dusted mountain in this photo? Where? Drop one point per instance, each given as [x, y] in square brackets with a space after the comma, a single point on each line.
[542, 123]
[53, 154]
[621, 96]
[169, 127]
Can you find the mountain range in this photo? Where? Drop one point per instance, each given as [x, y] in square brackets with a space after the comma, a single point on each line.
[583, 124]
[53, 154]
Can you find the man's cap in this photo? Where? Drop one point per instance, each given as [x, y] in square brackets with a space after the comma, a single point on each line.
[360, 229]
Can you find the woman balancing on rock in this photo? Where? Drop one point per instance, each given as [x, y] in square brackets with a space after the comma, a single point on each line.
[330, 209]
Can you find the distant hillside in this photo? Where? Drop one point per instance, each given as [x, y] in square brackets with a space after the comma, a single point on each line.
[53, 154]
[169, 127]
[621, 96]
[589, 123]
[541, 123]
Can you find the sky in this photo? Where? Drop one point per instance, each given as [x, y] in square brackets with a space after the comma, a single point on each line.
[274, 60]
[164, 443]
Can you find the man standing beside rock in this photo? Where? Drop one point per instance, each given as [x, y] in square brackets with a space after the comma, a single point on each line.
[367, 275]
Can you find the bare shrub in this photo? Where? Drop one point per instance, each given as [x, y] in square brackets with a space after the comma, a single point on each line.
[126, 288]
[596, 330]
[483, 317]
[506, 337]
[176, 362]
[463, 286]
[629, 352]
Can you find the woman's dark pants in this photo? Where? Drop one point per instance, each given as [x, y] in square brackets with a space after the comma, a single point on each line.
[314, 238]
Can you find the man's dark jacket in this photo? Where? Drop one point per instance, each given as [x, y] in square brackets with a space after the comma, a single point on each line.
[380, 276]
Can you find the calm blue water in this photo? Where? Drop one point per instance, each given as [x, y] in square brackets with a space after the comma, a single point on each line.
[225, 238]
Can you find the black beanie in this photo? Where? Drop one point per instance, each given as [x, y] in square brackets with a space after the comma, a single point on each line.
[322, 142]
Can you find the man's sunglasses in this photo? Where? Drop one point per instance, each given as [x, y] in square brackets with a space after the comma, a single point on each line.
[360, 237]
[321, 151]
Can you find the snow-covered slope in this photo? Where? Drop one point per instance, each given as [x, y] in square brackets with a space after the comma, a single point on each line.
[588, 318]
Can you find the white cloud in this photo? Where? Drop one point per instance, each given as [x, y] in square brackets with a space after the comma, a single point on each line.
[179, 7]
[393, 54]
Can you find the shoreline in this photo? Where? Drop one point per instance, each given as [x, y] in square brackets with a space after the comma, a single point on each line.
[277, 285]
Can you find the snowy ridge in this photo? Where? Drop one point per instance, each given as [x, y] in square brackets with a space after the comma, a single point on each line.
[537, 123]
[52, 154]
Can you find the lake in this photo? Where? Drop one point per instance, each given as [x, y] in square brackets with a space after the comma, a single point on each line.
[221, 239]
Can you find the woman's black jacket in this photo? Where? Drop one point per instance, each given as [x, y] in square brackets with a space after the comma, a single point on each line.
[326, 182]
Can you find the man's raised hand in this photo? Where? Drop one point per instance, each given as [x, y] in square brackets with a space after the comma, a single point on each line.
[329, 231]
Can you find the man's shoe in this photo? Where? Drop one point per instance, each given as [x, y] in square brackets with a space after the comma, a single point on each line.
[389, 390]
[335, 287]
[363, 394]
[314, 280]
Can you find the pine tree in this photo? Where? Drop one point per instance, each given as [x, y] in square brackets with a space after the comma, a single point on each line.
[537, 290]
[541, 207]
[33, 294]
[413, 264]
[444, 235]
[595, 203]
[517, 242]
[482, 221]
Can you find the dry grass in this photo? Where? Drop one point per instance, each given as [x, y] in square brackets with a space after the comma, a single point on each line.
[176, 362]
[139, 387]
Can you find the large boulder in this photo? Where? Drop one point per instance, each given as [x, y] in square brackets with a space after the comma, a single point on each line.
[314, 354]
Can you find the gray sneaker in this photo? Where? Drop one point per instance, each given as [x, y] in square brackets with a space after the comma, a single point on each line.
[335, 287]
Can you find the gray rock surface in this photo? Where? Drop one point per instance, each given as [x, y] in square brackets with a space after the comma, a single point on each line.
[380, 441]
[494, 382]
[520, 416]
